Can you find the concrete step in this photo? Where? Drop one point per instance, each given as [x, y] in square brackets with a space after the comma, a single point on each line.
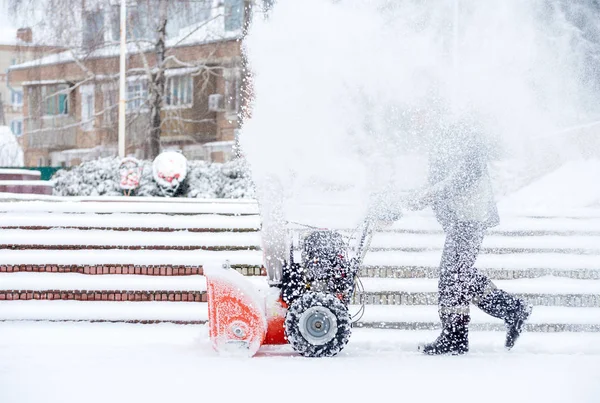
[127, 247]
[543, 319]
[75, 281]
[543, 291]
[26, 187]
[99, 257]
[39, 220]
[61, 239]
[130, 205]
[482, 327]
[493, 273]
[518, 261]
[497, 251]
[19, 175]
[104, 311]
[431, 298]
[390, 240]
[145, 270]
[546, 291]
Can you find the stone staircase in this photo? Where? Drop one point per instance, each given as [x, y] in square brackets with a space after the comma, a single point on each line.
[23, 181]
[140, 260]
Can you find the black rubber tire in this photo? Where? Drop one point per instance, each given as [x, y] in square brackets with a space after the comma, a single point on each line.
[293, 283]
[342, 318]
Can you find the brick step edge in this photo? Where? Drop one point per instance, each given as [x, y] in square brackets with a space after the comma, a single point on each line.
[148, 270]
[254, 270]
[398, 231]
[431, 298]
[123, 229]
[484, 251]
[495, 274]
[495, 250]
[110, 295]
[371, 299]
[227, 248]
[504, 233]
[486, 327]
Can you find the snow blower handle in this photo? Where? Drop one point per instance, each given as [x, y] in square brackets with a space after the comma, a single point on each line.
[369, 226]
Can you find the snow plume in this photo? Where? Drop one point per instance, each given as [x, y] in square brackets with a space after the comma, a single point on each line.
[364, 84]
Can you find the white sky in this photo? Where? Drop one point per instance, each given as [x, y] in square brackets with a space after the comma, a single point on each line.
[7, 30]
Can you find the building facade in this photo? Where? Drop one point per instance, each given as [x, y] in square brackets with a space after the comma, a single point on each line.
[70, 99]
[19, 50]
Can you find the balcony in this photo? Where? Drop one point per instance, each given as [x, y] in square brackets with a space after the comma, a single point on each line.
[52, 132]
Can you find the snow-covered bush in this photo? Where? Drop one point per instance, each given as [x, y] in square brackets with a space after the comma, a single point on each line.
[204, 180]
[237, 183]
[101, 177]
[94, 178]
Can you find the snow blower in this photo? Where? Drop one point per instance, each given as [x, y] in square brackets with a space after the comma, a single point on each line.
[307, 307]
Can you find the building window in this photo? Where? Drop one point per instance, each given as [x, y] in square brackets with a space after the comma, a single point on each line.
[17, 127]
[55, 100]
[111, 104]
[234, 15]
[186, 14]
[115, 23]
[233, 83]
[140, 18]
[179, 91]
[93, 28]
[137, 94]
[16, 98]
[88, 109]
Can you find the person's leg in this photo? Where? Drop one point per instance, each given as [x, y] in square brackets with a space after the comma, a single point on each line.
[500, 304]
[463, 241]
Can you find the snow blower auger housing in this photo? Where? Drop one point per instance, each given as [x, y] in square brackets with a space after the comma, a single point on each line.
[306, 307]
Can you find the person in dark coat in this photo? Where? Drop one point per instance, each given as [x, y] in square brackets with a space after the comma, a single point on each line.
[460, 193]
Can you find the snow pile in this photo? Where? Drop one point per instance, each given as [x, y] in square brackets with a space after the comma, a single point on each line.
[205, 180]
[11, 154]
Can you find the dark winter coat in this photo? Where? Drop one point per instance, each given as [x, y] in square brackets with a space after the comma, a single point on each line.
[460, 186]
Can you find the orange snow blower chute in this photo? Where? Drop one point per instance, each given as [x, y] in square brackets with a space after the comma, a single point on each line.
[239, 319]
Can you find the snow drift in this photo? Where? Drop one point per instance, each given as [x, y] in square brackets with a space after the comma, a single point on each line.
[11, 154]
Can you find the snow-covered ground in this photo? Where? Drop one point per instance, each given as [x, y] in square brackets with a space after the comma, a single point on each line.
[115, 362]
[91, 363]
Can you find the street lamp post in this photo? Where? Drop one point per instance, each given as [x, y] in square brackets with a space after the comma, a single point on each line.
[455, 32]
[455, 76]
[122, 78]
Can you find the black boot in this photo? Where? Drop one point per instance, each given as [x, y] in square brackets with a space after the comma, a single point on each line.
[454, 339]
[513, 311]
[514, 325]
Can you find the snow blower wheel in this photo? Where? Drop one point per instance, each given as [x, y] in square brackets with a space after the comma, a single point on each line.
[317, 325]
